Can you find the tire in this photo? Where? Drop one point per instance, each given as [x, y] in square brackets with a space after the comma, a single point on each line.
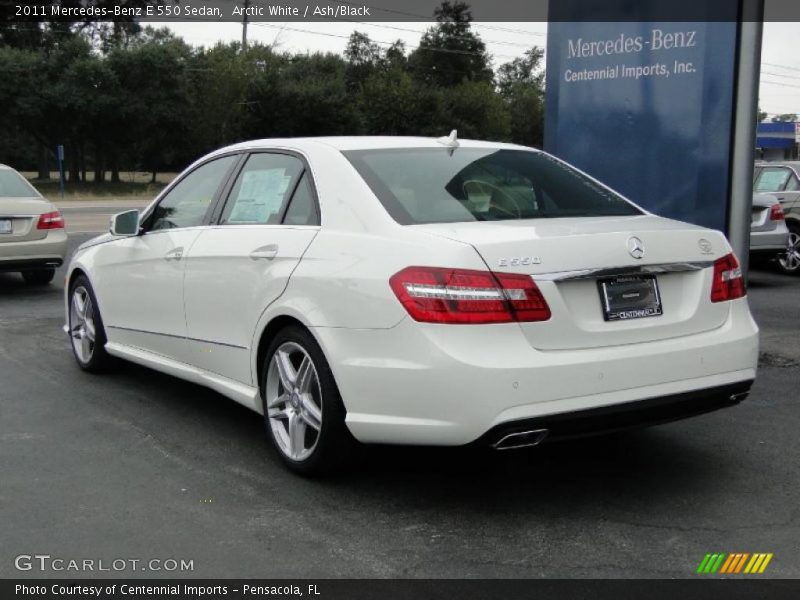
[86, 331]
[789, 261]
[300, 396]
[39, 276]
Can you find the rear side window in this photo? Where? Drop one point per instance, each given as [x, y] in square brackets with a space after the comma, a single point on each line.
[14, 185]
[302, 209]
[793, 184]
[772, 179]
[432, 185]
[262, 190]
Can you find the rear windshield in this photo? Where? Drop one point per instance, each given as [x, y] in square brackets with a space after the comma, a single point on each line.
[14, 185]
[432, 185]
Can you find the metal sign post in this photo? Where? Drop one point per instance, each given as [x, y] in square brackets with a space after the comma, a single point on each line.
[60, 156]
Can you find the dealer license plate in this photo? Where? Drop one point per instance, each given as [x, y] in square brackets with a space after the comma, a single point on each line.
[630, 297]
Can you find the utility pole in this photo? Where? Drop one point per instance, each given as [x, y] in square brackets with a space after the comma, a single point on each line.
[244, 25]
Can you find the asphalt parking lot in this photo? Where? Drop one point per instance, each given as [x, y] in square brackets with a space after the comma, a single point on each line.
[137, 465]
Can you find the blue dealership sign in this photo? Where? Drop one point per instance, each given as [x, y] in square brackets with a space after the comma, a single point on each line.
[646, 107]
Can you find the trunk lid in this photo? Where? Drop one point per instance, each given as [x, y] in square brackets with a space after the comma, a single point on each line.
[23, 214]
[560, 254]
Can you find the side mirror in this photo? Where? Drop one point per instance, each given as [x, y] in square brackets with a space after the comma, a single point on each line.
[125, 223]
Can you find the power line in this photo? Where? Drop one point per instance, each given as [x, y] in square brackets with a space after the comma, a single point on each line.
[780, 75]
[429, 19]
[383, 43]
[778, 83]
[464, 37]
[779, 66]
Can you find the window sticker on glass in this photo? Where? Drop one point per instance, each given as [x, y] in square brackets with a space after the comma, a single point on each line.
[261, 195]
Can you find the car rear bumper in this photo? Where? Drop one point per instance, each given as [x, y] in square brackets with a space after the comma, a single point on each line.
[450, 385]
[35, 254]
[619, 417]
[30, 264]
[769, 241]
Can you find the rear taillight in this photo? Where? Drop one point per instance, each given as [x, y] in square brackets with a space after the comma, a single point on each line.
[776, 213]
[438, 295]
[51, 220]
[728, 280]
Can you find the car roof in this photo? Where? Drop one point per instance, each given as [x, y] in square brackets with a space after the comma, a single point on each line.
[344, 143]
[778, 163]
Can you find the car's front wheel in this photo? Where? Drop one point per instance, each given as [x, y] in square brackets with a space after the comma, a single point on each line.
[39, 276]
[86, 329]
[303, 410]
[789, 261]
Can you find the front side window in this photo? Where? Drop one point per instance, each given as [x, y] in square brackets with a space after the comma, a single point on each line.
[431, 185]
[14, 185]
[772, 179]
[186, 204]
[262, 190]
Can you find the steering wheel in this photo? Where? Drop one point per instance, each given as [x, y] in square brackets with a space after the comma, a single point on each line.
[492, 204]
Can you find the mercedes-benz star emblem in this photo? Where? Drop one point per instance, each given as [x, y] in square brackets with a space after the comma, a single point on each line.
[635, 247]
[705, 246]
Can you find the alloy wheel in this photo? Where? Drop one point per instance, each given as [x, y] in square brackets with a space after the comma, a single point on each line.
[81, 324]
[294, 401]
[790, 260]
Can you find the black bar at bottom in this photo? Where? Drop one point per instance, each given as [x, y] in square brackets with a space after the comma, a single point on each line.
[699, 587]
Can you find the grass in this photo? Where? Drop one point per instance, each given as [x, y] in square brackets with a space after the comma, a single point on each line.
[133, 185]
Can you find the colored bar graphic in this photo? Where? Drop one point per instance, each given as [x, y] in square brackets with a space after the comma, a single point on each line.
[766, 562]
[740, 564]
[718, 564]
[726, 566]
[734, 563]
[754, 563]
[703, 563]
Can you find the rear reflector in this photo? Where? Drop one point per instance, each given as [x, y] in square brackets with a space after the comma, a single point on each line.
[51, 220]
[776, 213]
[728, 280]
[439, 295]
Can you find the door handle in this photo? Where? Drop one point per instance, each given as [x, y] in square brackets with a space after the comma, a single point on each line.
[265, 252]
[174, 254]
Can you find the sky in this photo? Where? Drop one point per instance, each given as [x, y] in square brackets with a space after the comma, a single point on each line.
[780, 66]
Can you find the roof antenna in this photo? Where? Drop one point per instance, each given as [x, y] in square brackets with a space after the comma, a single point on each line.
[451, 141]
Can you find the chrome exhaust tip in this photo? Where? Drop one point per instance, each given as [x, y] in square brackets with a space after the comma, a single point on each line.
[739, 397]
[521, 439]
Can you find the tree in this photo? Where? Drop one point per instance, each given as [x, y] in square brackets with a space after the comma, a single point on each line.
[526, 70]
[785, 118]
[395, 104]
[476, 111]
[363, 58]
[451, 52]
[762, 116]
[155, 117]
[521, 84]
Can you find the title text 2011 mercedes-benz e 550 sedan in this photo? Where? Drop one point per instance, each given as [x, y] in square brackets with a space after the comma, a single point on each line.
[415, 291]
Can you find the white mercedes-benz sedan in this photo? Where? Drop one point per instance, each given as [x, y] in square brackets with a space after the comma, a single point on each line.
[415, 291]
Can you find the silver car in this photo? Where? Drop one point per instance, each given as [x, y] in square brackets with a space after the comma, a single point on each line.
[769, 235]
[782, 181]
[33, 241]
